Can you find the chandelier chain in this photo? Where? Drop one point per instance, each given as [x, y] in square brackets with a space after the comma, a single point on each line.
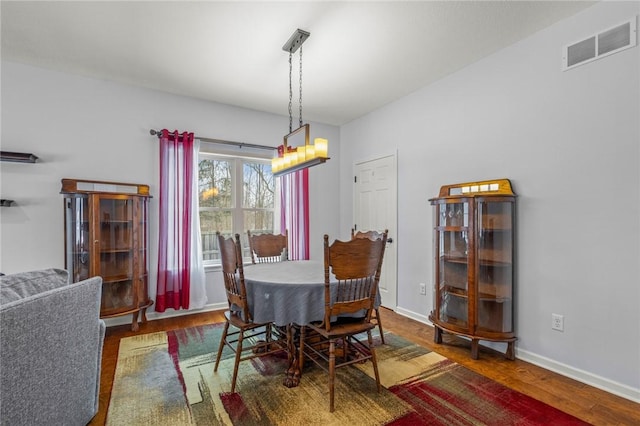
[300, 100]
[290, 94]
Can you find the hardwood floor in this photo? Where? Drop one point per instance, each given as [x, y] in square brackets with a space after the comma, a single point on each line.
[583, 401]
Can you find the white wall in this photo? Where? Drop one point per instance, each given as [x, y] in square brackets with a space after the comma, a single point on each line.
[92, 129]
[569, 143]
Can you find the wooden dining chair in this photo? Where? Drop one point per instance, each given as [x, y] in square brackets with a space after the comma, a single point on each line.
[261, 339]
[349, 302]
[268, 248]
[373, 235]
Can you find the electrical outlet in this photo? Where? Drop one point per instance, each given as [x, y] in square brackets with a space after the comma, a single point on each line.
[557, 322]
[423, 288]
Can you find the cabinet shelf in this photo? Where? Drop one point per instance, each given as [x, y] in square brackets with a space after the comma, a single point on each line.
[486, 297]
[115, 222]
[453, 228]
[474, 241]
[454, 259]
[115, 279]
[455, 291]
[125, 250]
[456, 322]
[496, 263]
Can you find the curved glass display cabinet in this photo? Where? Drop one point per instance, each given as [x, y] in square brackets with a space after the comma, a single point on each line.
[106, 234]
[473, 237]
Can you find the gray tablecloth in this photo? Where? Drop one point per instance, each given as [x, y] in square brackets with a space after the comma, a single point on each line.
[290, 292]
[286, 292]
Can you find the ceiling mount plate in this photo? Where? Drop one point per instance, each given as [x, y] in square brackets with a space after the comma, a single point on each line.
[295, 41]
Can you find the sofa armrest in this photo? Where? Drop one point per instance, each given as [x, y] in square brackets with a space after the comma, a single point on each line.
[50, 354]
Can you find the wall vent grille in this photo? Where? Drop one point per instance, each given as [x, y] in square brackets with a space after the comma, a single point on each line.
[599, 45]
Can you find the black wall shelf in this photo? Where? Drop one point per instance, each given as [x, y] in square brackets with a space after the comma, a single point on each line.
[18, 157]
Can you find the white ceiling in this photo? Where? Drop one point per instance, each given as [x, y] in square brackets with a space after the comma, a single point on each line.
[360, 55]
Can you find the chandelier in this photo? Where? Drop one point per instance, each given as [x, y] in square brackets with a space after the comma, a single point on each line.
[296, 152]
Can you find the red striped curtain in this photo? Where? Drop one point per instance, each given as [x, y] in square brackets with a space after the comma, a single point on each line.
[180, 267]
[294, 197]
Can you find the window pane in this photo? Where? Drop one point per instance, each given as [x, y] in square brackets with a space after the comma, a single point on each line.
[258, 186]
[260, 221]
[210, 222]
[235, 195]
[214, 183]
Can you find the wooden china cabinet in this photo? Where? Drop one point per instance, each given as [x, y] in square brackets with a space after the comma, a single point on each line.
[474, 243]
[106, 234]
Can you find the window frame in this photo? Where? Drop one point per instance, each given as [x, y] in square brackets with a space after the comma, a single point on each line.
[237, 188]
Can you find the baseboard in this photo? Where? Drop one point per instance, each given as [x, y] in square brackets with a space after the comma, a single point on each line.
[170, 313]
[581, 376]
[413, 315]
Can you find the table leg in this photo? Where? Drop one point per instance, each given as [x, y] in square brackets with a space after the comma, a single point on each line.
[292, 377]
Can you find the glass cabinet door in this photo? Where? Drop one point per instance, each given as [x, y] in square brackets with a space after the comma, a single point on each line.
[140, 235]
[116, 253]
[453, 246]
[495, 266]
[78, 247]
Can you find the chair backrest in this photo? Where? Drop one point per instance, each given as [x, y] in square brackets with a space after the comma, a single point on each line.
[233, 274]
[356, 266]
[372, 235]
[268, 248]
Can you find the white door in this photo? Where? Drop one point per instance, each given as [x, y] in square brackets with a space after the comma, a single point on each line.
[375, 199]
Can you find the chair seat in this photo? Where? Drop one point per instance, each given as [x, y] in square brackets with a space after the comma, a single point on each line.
[341, 329]
[236, 320]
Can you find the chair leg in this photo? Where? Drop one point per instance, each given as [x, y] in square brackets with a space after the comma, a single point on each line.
[374, 360]
[269, 337]
[237, 361]
[303, 332]
[332, 372]
[221, 346]
[379, 321]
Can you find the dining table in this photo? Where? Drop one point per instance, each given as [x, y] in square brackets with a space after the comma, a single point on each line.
[287, 294]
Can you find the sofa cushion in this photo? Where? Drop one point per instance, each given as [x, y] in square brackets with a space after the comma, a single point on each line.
[22, 285]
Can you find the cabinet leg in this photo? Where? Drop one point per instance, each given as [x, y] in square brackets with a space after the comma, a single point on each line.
[143, 315]
[437, 334]
[510, 354]
[474, 348]
[134, 322]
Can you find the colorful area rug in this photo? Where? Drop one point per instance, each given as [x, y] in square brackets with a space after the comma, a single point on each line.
[167, 378]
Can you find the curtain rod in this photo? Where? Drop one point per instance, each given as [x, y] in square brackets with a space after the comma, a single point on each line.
[220, 141]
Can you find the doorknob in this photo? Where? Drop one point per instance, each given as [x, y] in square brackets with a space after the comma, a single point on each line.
[389, 240]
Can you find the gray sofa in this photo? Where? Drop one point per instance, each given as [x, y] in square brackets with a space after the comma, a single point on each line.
[51, 338]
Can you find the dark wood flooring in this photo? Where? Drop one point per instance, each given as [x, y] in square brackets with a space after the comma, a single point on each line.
[585, 402]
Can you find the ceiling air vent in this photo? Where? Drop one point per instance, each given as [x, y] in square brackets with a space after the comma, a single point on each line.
[600, 45]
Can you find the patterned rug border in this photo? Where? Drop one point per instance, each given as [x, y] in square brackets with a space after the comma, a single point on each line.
[167, 378]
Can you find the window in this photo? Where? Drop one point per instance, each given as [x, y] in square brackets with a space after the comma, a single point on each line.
[236, 194]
